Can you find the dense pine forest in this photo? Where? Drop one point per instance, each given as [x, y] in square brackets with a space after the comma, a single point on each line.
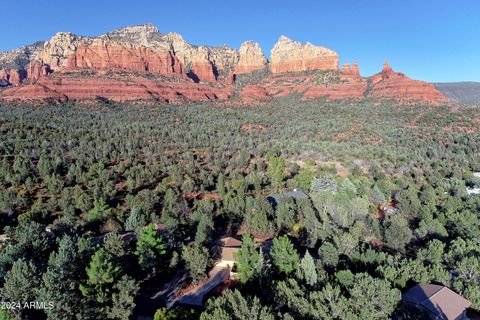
[102, 204]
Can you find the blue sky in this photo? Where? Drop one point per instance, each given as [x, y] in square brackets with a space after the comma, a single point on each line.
[437, 41]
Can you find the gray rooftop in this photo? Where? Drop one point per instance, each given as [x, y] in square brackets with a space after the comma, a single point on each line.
[277, 198]
[439, 301]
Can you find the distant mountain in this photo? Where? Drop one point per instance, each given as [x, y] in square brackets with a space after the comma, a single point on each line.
[139, 62]
[461, 92]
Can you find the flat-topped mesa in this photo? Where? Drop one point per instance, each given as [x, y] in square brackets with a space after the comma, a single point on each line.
[251, 58]
[292, 56]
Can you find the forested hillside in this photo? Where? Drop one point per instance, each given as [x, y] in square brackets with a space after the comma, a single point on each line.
[102, 203]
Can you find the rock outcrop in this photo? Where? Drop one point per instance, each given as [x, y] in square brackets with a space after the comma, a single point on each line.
[11, 77]
[115, 88]
[252, 92]
[292, 56]
[14, 63]
[203, 63]
[37, 70]
[396, 85]
[351, 70]
[114, 56]
[57, 50]
[251, 58]
[139, 62]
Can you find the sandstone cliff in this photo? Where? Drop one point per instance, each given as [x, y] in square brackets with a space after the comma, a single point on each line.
[251, 58]
[292, 56]
[140, 62]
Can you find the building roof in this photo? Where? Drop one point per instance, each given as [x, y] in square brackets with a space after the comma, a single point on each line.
[473, 191]
[228, 254]
[279, 197]
[231, 242]
[438, 300]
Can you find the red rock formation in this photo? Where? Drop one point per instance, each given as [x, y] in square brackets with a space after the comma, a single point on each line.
[351, 89]
[113, 56]
[56, 71]
[118, 89]
[16, 77]
[11, 76]
[32, 92]
[351, 70]
[37, 70]
[202, 71]
[254, 92]
[346, 68]
[396, 85]
[355, 69]
[292, 56]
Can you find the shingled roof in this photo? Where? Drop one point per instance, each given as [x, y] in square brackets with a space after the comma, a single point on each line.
[439, 301]
[231, 242]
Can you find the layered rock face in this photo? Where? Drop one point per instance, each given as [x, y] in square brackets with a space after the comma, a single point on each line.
[114, 56]
[139, 62]
[391, 84]
[292, 56]
[138, 48]
[201, 62]
[251, 58]
[115, 88]
[346, 84]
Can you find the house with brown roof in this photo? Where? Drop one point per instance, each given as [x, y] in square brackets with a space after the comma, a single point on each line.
[438, 302]
[223, 270]
[229, 247]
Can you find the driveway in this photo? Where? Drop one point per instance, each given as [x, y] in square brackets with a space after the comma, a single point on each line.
[195, 296]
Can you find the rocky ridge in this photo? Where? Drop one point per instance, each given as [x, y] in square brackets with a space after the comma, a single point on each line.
[139, 62]
[292, 56]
